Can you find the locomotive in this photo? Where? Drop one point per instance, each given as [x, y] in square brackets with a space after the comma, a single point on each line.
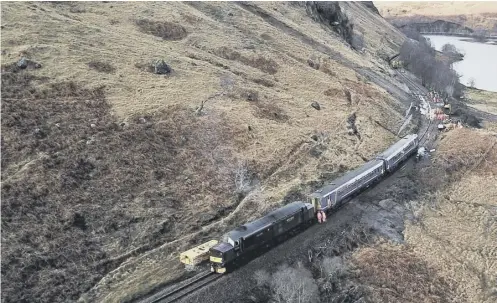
[251, 239]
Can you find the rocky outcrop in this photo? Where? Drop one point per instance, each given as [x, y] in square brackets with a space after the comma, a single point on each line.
[439, 26]
[370, 5]
[330, 14]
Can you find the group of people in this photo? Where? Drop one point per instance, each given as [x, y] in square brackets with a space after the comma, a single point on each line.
[435, 96]
[321, 216]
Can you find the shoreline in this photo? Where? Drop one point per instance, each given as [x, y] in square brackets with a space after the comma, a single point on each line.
[456, 58]
[480, 99]
[490, 40]
[492, 37]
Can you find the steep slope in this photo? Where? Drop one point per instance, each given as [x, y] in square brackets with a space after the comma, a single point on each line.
[108, 172]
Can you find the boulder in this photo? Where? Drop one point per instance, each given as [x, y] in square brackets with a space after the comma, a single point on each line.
[23, 63]
[161, 67]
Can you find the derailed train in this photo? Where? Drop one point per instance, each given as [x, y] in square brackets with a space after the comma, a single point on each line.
[251, 239]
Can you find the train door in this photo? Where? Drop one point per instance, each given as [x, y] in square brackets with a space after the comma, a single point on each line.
[316, 202]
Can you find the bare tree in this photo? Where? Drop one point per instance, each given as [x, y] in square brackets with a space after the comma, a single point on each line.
[480, 35]
[334, 268]
[449, 48]
[420, 58]
[472, 82]
[294, 285]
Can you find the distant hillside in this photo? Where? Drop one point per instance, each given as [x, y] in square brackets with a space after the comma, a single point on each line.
[475, 15]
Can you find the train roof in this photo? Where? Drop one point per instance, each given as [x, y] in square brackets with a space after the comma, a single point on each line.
[395, 147]
[222, 247]
[251, 227]
[324, 191]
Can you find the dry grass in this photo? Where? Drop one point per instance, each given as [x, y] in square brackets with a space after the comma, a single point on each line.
[117, 158]
[458, 233]
[97, 209]
[397, 274]
[102, 67]
[474, 14]
[436, 8]
[449, 253]
[458, 238]
[483, 100]
[467, 149]
[490, 126]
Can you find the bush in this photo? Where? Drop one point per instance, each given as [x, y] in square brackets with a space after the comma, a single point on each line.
[290, 284]
[480, 35]
[334, 268]
[449, 48]
[264, 82]
[166, 30]
[250, 95]
[266, 65]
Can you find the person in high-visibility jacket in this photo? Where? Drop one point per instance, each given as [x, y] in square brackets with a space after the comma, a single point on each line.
[320, 217]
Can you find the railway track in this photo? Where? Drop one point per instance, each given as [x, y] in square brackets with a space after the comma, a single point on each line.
[419, 91]
[181, 291]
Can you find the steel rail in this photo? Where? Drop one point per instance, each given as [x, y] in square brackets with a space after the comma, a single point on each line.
[186, 289]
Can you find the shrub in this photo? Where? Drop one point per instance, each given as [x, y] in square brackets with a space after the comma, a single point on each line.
[264, 82]
[102, 67]
[449, 48]
[264, 64]
[290, 284]
[165, 30]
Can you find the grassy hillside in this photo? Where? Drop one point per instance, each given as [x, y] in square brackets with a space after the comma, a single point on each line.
[108, 173]
[473, 14]
[482, 100]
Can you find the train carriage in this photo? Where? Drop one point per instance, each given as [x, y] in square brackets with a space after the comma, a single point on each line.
[332, 195]
[399, 152]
